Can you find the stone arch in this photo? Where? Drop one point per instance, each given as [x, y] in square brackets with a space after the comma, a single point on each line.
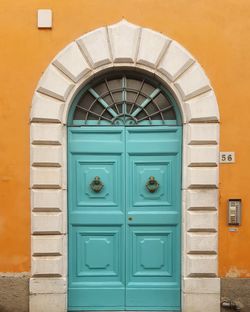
[124, 45]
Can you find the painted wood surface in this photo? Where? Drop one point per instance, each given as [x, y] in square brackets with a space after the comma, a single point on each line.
[124, 241]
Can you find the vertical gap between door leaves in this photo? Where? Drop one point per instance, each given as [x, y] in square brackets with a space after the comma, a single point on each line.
[126, 221]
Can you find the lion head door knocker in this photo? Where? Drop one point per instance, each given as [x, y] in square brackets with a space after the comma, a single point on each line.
[152, 185]
[96, 185]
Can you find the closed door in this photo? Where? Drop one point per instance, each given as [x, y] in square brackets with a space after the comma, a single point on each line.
[124, 218]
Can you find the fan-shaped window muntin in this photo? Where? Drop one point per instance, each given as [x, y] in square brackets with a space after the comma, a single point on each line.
[124, 98]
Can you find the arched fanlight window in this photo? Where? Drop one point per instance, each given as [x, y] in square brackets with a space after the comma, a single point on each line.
[124, 98]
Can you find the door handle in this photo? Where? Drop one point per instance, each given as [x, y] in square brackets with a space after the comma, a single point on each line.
[96, 185]
[152, 185]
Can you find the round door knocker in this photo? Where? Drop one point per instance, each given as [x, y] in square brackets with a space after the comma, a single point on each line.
[152, 185]
[96, 185]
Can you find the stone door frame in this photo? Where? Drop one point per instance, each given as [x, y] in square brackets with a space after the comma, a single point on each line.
[124, 45]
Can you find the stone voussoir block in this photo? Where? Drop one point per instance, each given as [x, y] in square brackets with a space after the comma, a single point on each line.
[175, 61]
[47, 156]
[46, 109]
[202, 221]
[193, 82]
[46, 178]
[124, 50]
[54, 84]
[72, 62]
[201, 199]
[151, 48]
[201, 265]
[203, 108]
[47, 223]
[201, 177]
[201, 243]
[202, 134]
[43, 245]
[46, 134]
[47, 200]
[47, 265]
[96, 47]
[202, 156]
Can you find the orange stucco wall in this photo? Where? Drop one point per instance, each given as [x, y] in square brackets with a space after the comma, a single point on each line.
[216, 32]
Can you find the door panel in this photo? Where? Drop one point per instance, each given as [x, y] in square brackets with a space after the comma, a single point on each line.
[153, 238]
[93, 241]
[96, 219]
[124, 241]
[145, 263]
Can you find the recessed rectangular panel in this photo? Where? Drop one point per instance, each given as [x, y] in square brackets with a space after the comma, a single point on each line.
[152, 140]
[96, 267]
[97, 134]
[89, 247]
[144, 192]
[153, 134]
[97, 255]
[107, 172]
[96, 298]
[96, 140]
[152, 252]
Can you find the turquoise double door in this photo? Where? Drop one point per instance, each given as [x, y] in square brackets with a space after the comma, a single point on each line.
[124, 194]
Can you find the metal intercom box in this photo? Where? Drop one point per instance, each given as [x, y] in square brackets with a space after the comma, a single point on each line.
[234, 211]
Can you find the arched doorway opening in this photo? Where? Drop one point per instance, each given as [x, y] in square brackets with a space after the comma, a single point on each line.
[124, 195]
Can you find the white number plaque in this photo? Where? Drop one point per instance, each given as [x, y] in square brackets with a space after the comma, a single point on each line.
[227, 157]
